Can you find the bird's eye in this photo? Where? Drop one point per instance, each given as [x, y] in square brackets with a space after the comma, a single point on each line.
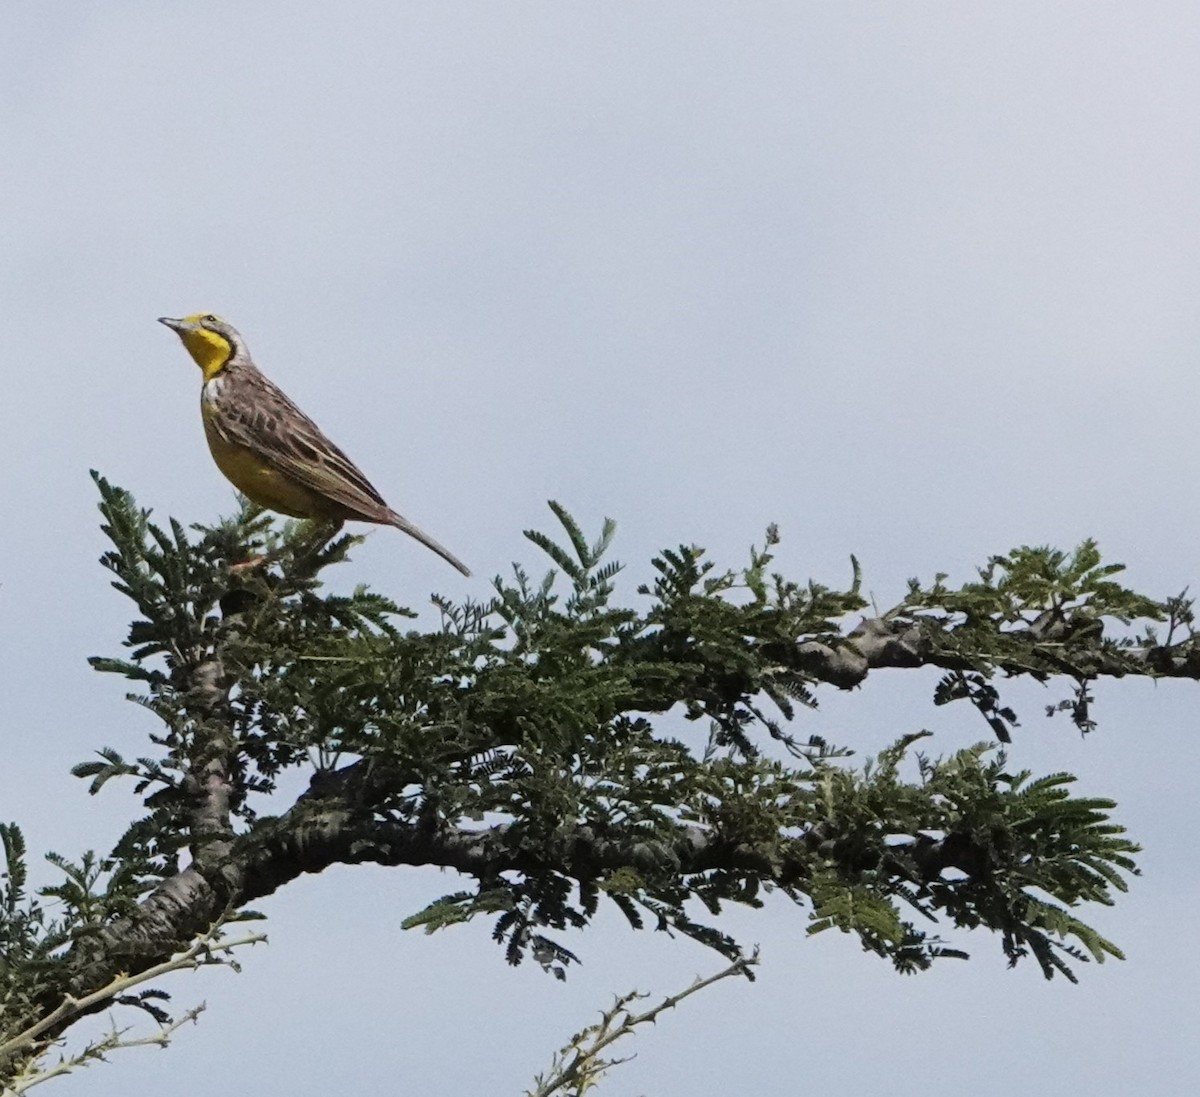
[209, 319]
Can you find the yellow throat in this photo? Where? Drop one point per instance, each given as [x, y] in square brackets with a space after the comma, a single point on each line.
[210, 350]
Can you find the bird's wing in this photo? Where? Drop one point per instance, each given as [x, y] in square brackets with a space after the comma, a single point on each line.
[257, 414]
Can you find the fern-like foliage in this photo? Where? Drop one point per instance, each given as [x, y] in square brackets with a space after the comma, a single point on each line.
[532, 741]
[537, 712]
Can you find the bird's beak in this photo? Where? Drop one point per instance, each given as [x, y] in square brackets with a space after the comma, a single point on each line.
[179, 326]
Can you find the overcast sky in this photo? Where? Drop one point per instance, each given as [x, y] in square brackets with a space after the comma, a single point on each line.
[916, 280]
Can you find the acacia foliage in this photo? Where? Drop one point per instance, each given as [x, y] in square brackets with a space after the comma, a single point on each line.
[531, 741]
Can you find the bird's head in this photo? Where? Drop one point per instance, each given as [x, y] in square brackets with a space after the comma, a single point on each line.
[209, 340]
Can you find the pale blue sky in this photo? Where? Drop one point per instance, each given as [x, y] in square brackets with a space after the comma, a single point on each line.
[917, 281]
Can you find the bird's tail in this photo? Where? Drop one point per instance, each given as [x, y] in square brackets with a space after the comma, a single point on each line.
[402, 523]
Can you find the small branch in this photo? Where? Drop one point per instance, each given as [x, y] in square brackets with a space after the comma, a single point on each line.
[96, 1051]
[73, 1007]
[578, 1066]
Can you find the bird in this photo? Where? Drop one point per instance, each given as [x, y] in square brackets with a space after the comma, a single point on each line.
[268, 448]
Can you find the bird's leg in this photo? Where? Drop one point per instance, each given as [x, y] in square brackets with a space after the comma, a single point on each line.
[248, 565]
[310, 538]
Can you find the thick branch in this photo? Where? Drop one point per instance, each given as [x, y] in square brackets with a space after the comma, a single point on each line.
[338, 821]
[880, 642]
[212, 761]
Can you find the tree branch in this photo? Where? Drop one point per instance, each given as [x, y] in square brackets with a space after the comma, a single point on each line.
[877, 643]
[212, 760]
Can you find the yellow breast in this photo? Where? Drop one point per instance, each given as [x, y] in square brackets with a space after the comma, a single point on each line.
[255, 478]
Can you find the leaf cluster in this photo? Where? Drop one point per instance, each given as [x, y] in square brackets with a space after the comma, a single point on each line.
[543, 726]
[1042, 613]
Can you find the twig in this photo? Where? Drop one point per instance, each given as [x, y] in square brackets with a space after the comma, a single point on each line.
[70, 1006]
[578, 1066]
[97, 1050]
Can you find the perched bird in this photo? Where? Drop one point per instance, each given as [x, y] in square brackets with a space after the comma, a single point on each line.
[268, 448]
